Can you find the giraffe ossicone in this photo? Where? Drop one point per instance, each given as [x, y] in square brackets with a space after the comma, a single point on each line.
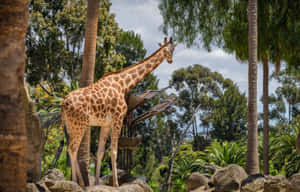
[103, 104]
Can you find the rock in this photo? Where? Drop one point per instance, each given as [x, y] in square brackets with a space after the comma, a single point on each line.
[229, 178]
[294, 185]
[123, 177]
[196, 180]
[63, 186]
[211, 168]
[134, 186]
[101, 188]
[42, 187]
[203, 189]
[53, 174]
[276, 183]
[31, 187]
[254, 183]
[144, 186]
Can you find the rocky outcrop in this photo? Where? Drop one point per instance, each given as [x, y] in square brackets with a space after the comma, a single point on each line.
[135, 186]
[54, 181]
[229, 178]
[276, 183]
[123, 177]
[294, 185]
[195, 181]
[254, 183]
[234, 178]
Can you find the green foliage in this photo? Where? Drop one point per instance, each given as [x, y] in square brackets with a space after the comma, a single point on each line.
[229, 117]
[221, 103]
[131, 46]
[225, 153]
[283, 149]
[186, 162]
[54, 42]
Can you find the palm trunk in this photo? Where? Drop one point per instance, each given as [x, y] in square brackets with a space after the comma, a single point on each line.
[87, 78]
[266, 116]
[13, 27]
[252, 165]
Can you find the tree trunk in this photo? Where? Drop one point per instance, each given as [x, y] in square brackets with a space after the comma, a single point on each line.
[252, 164]
[176, 151]
[87, 78]
[13, 26]
[266, 115]
[35, 138]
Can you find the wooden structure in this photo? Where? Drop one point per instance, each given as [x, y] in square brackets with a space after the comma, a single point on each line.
[129, 139]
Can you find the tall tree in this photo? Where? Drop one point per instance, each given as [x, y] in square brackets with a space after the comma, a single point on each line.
[252, 164]
[87, 78]
[13, 27]
[54, 42]
[221, 103]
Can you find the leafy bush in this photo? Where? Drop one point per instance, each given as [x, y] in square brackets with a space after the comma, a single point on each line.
[225, 153]
[283, 151]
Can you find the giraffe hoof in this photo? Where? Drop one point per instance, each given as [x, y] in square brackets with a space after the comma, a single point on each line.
[115, 185]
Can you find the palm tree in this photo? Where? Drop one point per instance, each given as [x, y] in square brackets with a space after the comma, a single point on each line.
[252, 165]
[13, 27]
[266, 115]
[87, 78]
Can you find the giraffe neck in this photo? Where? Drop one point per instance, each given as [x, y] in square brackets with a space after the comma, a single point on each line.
[129, 77]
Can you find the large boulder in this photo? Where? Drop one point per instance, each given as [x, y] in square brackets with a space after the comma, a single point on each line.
[54, 181]
[253, 183]
[210, 168]
[53, 174]
[31, 187]
[134, 186]
[229, 178]
[276, 183]
[294, 185]
[138, 183]
[203, 189]
[123, 177]
[196, 180]
[63, 186]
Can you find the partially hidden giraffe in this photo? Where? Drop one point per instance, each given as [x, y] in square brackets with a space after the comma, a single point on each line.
[103, 104]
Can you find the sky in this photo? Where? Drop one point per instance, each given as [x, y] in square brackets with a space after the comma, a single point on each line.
[143, 17]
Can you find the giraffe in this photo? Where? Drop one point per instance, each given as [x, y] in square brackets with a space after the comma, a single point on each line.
[103, 104]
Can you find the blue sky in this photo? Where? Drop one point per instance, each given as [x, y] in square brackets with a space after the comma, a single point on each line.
[144, 18]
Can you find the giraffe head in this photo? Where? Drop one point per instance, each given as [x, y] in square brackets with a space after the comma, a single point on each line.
[169, 48]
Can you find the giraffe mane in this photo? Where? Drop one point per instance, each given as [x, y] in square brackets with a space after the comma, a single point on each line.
[131, 66]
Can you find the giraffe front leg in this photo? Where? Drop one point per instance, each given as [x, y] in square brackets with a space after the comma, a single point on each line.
[101, 149]
[114, 153]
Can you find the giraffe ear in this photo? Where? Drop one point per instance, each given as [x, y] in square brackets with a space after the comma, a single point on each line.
[160, 44]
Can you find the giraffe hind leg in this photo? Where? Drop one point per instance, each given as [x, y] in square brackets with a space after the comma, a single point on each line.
[73, 150]
[76, 174]
[101, 149]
